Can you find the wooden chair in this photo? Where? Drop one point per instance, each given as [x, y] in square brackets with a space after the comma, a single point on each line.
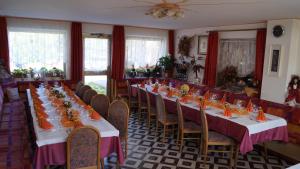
[186, 127]
[100, 104]
[88, 95]
[118, 114]
[211, 138]
[83, 149]
[142, 106]
[163, 117]
[151, 111]
[82, 90]
[78, 86]
[132, 101]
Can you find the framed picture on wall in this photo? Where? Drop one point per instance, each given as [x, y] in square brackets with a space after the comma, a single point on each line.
[202, 44]
[275, 58]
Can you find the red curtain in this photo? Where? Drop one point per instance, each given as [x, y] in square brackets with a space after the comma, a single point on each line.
[4, 50]
[210, 71]
[171, 43]
[260, 53]
[118, 52]
[76, 52]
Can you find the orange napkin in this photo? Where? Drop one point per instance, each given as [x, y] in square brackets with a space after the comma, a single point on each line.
[249, 106]
[41, 114]
[66, 122]
[170, 93]
[206, 95]
[94, 115]
[155, 89]
[261, 115]
[78, 124]
[223, 100]
[143, 84]
[203, 104]
[227, 112]
[44, 124]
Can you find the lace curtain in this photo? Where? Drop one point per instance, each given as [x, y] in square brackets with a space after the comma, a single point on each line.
[38, 43]
[239, 53]
[141, 51]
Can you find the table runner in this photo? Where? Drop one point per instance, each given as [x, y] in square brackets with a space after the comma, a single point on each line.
[243, 129]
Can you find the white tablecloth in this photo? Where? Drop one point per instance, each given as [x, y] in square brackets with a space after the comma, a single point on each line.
[59, 133]
[249, 121]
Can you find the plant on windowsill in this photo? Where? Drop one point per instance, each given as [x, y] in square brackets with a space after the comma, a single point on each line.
[166, 63]
[228, 76]
[20, 73]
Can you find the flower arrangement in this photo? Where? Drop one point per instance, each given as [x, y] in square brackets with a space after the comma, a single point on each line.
[184, 89]
[227, 76]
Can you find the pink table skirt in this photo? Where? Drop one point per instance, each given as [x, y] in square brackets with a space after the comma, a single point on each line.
[234, 130]
[55, 154]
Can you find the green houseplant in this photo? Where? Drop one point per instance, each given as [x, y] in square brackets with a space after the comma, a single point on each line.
[166, 63]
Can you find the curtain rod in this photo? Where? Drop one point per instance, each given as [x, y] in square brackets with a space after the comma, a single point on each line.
[235, 30]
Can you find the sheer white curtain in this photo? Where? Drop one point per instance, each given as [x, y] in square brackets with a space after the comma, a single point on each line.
[38, 43]
[141, 51]
[239, 53]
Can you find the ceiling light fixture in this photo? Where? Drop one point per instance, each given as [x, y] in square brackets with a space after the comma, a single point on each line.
[167, 9]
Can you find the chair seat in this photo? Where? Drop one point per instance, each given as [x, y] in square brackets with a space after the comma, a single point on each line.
[215, 138]
[191, 127]
[171, 119]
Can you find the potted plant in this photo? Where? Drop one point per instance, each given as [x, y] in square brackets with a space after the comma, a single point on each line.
[166, 63]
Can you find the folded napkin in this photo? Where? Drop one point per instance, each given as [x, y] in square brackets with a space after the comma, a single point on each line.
[94, 115]
[44, 124]
[78, 124]
[249, 107]
[41, 114]
[155, 89]
[227, 112]
[261, 115]
[223, 100]
[206, 95]
[170, 93]
[66, 122]
[142, 84]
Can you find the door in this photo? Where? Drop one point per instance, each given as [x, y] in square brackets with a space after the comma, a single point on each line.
[96, 63]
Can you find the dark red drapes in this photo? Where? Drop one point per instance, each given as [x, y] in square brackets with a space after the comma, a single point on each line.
[171, 43]
[260, 53]
[4, 50]
[210, 71]
[118, 52]
[76, 52]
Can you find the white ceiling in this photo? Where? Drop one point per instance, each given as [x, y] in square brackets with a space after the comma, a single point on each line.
[123, 12]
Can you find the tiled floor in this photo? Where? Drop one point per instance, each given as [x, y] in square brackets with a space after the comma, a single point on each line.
[147, 151]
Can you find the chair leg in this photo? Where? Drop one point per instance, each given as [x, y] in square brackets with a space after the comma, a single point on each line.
[205, 159]
[265, 150]
[102, 164]
[181, 141]
[126, 147]
[156, 128]
[231, 156]
[164, 135]
[149, 118]
[236, 154]
[178, 133]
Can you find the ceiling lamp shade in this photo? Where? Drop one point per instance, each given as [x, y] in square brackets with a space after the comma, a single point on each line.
[166, 9]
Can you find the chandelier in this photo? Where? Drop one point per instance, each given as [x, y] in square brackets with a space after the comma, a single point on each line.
[166, 9]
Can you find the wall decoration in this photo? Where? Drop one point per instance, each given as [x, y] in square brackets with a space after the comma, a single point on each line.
[202, 44]
[275, 58]
[184, 46]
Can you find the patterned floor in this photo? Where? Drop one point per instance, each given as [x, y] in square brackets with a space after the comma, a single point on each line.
[147, 151]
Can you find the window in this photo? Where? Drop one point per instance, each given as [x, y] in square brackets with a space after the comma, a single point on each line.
[141, 51]
[36, 44]
[96, 59]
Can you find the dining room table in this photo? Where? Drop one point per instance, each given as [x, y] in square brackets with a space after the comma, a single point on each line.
[51, 143]
[244, 127]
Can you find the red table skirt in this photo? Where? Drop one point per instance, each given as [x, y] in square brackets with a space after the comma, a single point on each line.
[234, 130]
[55, 154]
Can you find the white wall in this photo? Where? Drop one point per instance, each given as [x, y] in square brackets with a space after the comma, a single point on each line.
[274, 88]
[97, 28]
[223, 35]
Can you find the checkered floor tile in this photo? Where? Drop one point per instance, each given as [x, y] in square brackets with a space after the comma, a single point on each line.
[147, 151]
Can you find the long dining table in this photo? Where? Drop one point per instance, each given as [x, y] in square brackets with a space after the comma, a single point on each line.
[244, 129]
[51, 144]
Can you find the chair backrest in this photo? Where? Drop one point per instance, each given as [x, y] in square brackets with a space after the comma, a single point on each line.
[82, 90]
[88, 95]
[118, 114]
[204, 126]
[83, 148]
[100, 104]
[160, 108]
[180, 115]
[276, 112]
[145, 94]
[78, 86]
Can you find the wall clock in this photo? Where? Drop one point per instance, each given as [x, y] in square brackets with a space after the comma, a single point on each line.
[278, 31]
